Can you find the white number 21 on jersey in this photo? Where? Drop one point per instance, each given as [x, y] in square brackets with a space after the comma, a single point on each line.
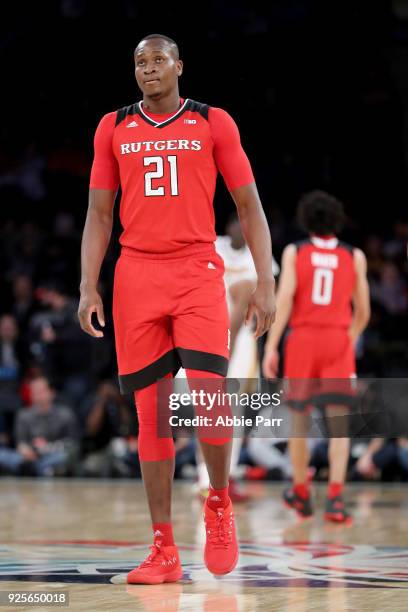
[322, 286]
[158, 173]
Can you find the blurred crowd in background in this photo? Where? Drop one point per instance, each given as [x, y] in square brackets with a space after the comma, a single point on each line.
[336, 120]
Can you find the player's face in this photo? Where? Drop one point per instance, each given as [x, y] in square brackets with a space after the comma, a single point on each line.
[156, 68]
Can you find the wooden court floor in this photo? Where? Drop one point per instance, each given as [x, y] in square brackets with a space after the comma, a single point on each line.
[83, 536]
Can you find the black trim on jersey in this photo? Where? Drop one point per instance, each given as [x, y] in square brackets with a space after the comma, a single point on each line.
[172, 361]
[188, 105]
[200, 360]
[122, 113]
[298, 405]
[198, 107]
[322, 400]
[340, 244]
[346, 246]
[169, 362]
[337, 398]
[301, 243]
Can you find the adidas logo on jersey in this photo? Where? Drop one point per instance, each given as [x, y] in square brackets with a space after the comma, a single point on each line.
[132, 124]
[211, 266]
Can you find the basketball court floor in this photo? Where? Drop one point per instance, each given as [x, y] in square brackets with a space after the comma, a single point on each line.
[82, 537]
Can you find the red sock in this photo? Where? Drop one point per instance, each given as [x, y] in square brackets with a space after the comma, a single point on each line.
[163, 532]
[335, 489]
[302, 490]
[217, 498]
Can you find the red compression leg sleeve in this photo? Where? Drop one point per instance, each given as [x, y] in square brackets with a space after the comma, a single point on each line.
[151, 447]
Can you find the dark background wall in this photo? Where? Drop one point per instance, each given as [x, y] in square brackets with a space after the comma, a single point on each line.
[318, 89]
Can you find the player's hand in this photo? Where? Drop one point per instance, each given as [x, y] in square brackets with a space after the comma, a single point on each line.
[27, 452]
[365, 466]
[270, 362]
[91, 302]
[262, 306]
[353, 335]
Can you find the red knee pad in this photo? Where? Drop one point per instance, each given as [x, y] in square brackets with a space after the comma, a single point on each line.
[151, 447]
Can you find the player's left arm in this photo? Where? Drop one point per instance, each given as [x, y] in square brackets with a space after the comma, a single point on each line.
[236, 170]
[361, 297]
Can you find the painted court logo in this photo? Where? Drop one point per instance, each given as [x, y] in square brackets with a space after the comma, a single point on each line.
[302, 564]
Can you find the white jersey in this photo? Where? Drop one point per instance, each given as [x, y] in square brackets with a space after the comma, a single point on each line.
[239, 264]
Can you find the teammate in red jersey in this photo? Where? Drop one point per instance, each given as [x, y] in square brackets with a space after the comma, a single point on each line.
[169, 302]
[321, 278]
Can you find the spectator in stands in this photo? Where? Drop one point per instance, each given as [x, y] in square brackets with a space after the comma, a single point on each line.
[10, 365]
[391, 291]
[109, 433]
[395, 248]
[58, 342]
[385, 459]
[46, 435]
[403, 456]
[373, 249]
[24, 253]
[270, 454]
[23, 299]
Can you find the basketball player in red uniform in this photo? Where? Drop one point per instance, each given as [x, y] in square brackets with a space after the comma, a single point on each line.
[169, 303]
[323, 290]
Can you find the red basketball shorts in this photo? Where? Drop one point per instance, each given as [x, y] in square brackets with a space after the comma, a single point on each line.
[169, 312]
[319, 365]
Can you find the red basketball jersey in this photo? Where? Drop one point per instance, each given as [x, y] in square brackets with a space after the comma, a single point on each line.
[325, 280]
[167, 167]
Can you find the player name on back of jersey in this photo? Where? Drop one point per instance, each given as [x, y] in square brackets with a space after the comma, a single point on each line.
[325, 260]
[160, 145]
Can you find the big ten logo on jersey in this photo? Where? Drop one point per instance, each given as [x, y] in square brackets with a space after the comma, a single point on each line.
[190, 121]
[324, 265]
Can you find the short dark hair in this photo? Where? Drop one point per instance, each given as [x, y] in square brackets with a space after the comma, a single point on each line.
[320, 213]
[43, 376]
[169, 40]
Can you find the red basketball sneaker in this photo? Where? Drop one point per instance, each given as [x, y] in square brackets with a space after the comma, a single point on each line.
[336, 511]
[221, 548]
[236, 495]
[162, 565]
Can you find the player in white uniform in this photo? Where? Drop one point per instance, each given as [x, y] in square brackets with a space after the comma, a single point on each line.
[240, 281]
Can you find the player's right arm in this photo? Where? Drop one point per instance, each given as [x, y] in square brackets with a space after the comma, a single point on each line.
[361, 297]
[284, 303]
[98, 225]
